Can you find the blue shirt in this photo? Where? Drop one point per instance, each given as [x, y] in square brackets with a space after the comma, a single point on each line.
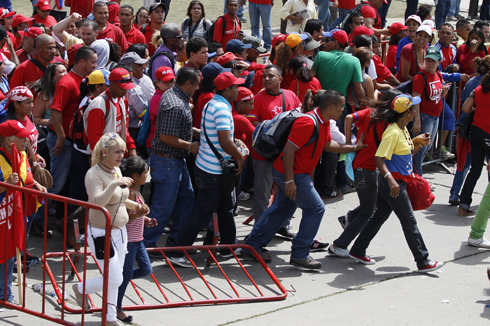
[404, 41]
[216, 116]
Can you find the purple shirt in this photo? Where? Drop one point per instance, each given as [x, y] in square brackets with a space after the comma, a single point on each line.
[163, 60]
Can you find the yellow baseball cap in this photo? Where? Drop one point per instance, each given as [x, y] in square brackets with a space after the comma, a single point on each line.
[99, 76]
[403, 102]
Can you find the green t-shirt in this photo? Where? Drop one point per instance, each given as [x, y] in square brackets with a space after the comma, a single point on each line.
[336, 70]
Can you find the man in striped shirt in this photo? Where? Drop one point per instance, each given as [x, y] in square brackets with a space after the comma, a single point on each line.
[217, 127]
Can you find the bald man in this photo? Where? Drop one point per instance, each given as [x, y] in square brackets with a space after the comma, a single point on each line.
[31, 70]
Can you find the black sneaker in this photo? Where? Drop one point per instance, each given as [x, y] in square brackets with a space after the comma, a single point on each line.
[318, 245]
[155, 255]
[308, 263]
[334, 194]
[208, 240]
[286, 232]
[22, 266]
[264, 254]
[31, 258]
[37, 230]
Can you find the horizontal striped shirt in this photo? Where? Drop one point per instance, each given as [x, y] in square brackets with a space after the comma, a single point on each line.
[216, 117]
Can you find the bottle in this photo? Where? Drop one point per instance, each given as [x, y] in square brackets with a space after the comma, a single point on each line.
[39, 288]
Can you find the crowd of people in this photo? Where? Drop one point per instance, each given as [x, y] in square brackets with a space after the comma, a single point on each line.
[108, 96]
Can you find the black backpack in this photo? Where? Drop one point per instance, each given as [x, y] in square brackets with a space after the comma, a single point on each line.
[357, 9]
[208, 35]
[188, 23]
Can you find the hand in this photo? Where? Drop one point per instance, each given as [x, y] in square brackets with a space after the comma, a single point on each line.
[240, 35]
[145, 210]
[464, 77]
[446, 89]
[124, 181]
[13, 179]
[297, 20]
[394, 187]
[454, 67]
[243, 64]
[40, 188]
[473, 45]
[194, 147]
[40, 160]
[336, 3]
[9, 42]
[240, 161]
[76, 17]
[196, 132]
[272, 3]
[360, 142]
[60, 145]
[421, 139]
[132, 152]
[416, 127]
[290, 190]
[241, 145]
[150, 222]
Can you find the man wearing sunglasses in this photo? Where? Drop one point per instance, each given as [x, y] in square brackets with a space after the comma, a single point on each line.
[166, 54]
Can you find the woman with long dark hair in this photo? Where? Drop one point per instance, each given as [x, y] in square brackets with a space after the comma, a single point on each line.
[412, 55]
[196, 24]
[393, 159]
[141, 17]
[303, 77]
[473, 48]
[292, 47]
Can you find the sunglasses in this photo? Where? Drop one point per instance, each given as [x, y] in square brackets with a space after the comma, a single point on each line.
[178, 37]
[124, 81]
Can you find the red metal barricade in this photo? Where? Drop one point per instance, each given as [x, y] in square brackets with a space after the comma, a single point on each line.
[60, 291]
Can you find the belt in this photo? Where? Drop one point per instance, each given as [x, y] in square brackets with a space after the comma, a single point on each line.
[167, 155]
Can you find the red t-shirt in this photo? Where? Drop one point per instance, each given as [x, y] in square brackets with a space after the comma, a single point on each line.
[148, 33]
[25, 74]
[154, 104]
[347, 4]
[83, 7]
[66, 98]
[314, 84]
[300, 134]
[113, 34]
[22, 55]
[258, 82]
[5, 49]
[365, 157]
[243, 128]
[465, 59]
[134, 36]
[447, 56]
[391, 56]
[49, 22]
[231, 30]
[261, 2]
[113, 11]
[433, 107]
[482, 104]
[370, 11]
[268, 106]
[381, 70]
[202, 100]
[408, 52]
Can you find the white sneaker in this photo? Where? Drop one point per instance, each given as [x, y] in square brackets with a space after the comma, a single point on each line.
[481, 243]
[336, 251]
[115, 323]
[180, 261]
[243, 196]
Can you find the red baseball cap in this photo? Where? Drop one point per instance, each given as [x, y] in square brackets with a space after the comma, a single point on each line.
[71, 53]
[225, 80]
[31, 31]
[19, 19]
[244, 94]
[5, 13]
[396, 28]
[225, 58]
[362, 30]
[13, 128]
[338, 34]
[165, 74]
[43, 5]
[122, 77]
[278, 38]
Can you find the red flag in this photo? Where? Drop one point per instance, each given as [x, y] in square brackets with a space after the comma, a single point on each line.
[12, 216]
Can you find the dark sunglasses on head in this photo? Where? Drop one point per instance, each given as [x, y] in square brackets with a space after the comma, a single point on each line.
[123, 81]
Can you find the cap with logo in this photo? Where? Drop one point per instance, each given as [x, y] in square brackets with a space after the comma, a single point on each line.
[236, 46]
[244, 94]
[32, 32]
[19, 19]
[225, 80]
[165, 74]
[293, 39]
[396, 28]
[425, 28]
[213, 69]
[122, 77]
[98, 77]
[415, 18]
[13, 128]
[362, 30]
[225, 58]
[5, 13]
[433, 53]
[255, 43]
[43, 5]
[278, 38]
[337, 34]
[153, 6]
[132, 57]
[403, 102]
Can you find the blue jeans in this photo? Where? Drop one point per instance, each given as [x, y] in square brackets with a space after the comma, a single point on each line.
[403, 209]
[208, 202]
[459, 178]
[442, 10]
[324, 12]
[428, 124]
[367, 190]
[342, 14]
[455, 7]
[173, 194]
[307, 199]
[136, 252]
[259, 12]
[383, 12]
[412, 6]
[10, 273]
